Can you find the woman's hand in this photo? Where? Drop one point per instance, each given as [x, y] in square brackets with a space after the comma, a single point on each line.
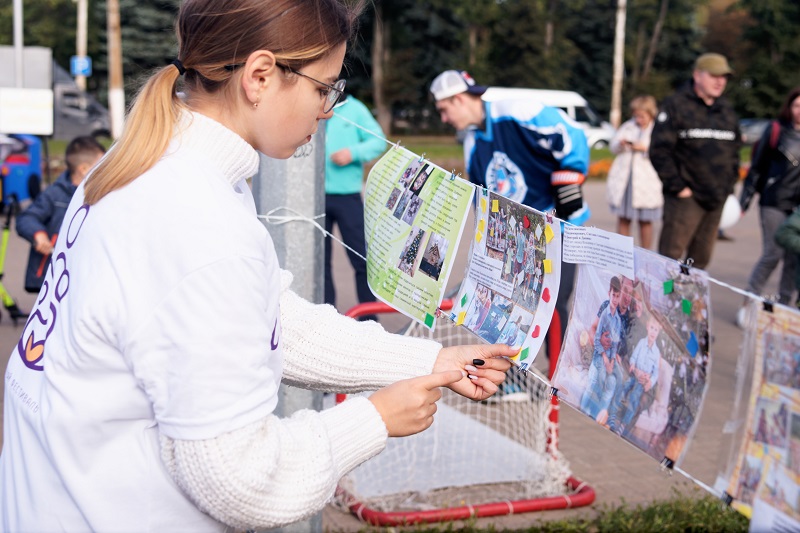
[482, 380]
[407, 407]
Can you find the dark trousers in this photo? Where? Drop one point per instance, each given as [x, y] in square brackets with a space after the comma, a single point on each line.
[688, 228]
[347, 211]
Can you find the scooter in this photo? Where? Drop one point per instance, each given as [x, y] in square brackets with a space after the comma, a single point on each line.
[8, 301]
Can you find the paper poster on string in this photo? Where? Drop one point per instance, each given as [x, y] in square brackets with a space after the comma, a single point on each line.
[765, 471]
[414, 216]
[635, 355]
[510, 288]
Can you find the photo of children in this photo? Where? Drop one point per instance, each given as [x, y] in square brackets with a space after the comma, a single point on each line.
[499, 312]
[782, 360]
[516, 237]
[602, 380]
[393, 196]
[516, 258]
[635, 356]
[518, 324]
[411, 211]
[771, 429]
[773, 419]
[409, 173]
[776, 505]
[643, 377]
[401, 205]
[433, 258]
[479, 307]
[410, 253]
[422, 179]
[749, 478]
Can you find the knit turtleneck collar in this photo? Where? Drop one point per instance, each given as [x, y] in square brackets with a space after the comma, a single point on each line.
[223, 149]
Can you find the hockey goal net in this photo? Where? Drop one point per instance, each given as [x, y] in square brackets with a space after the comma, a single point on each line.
[477, 459]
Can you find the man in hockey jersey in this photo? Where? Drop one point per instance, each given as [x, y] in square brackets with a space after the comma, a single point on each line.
[529, 152]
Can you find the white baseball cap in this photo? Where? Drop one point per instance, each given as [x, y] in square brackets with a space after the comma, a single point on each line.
[452, 82]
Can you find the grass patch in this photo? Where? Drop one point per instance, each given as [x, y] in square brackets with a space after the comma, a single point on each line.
[680, 514]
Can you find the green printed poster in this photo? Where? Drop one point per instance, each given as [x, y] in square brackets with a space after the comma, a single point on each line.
[414, 215]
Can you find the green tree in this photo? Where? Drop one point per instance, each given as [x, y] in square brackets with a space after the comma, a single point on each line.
[148, 39]
[770, 65]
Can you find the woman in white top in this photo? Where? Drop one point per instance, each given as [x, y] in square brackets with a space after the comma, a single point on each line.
[633, 187]
[141, 392]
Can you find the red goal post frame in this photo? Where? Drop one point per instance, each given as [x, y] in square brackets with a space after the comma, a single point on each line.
[582, 494]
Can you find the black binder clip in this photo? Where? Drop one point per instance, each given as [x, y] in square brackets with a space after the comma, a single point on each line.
[667, 464]
[686, 265]
[554, 392]
[769, 307]
[727, 498]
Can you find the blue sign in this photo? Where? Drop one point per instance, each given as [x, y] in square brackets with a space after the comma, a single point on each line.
[80, 66]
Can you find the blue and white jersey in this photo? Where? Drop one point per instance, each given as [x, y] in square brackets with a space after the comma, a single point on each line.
[524, 150]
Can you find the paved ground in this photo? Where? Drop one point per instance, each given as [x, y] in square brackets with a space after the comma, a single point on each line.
[616, 470]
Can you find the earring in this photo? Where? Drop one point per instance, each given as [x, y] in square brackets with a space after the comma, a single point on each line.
[255, 104]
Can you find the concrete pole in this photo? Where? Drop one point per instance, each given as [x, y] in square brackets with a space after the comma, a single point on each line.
[81, 37]
[19, 70]
[619, 65]
[116, 91]
[299, 184]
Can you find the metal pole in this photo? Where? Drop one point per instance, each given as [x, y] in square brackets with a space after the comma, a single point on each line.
[81, 39]
[619, 65]
[116, 91]
[19, 70]
[297, 183]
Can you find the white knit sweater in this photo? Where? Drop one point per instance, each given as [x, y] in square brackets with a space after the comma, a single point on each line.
[277, 471]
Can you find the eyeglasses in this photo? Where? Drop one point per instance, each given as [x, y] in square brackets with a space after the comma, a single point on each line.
[333, 92]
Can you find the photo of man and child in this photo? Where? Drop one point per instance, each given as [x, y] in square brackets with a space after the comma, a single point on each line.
[635, 355]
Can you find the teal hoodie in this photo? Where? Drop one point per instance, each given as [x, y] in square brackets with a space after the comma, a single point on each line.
[363, 146]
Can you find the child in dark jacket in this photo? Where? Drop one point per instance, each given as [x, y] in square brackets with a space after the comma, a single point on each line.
[788, 237]
[40, 223]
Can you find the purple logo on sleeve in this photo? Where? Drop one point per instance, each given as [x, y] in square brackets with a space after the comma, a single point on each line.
[42, 320]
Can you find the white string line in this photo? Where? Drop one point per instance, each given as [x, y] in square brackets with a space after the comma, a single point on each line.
[272, 218]
[278, 220]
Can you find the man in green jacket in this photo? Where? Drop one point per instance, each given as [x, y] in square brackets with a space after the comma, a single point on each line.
[347, 149]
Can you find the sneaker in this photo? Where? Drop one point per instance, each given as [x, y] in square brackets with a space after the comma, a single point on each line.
[740, 314]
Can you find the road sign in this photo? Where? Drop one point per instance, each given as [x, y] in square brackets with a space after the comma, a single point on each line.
[80, 66]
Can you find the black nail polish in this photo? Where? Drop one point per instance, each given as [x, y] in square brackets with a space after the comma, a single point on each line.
[478, 362]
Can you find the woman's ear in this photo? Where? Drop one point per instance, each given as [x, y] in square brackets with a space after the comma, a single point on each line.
[259, 71]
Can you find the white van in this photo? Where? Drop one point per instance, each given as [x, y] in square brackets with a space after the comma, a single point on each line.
[598, 132]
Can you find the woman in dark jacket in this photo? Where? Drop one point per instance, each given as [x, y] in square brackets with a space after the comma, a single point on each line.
[39, 224]
[775, 175]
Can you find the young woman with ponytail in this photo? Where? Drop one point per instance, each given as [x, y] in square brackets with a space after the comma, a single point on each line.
[141, 393]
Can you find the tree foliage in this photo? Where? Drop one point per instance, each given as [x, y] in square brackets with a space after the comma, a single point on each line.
[561, 44]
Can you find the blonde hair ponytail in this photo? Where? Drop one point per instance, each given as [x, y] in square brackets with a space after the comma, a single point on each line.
[145, 138]
[214, 39]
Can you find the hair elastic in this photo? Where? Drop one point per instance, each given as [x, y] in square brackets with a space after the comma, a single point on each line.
[179, 66]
